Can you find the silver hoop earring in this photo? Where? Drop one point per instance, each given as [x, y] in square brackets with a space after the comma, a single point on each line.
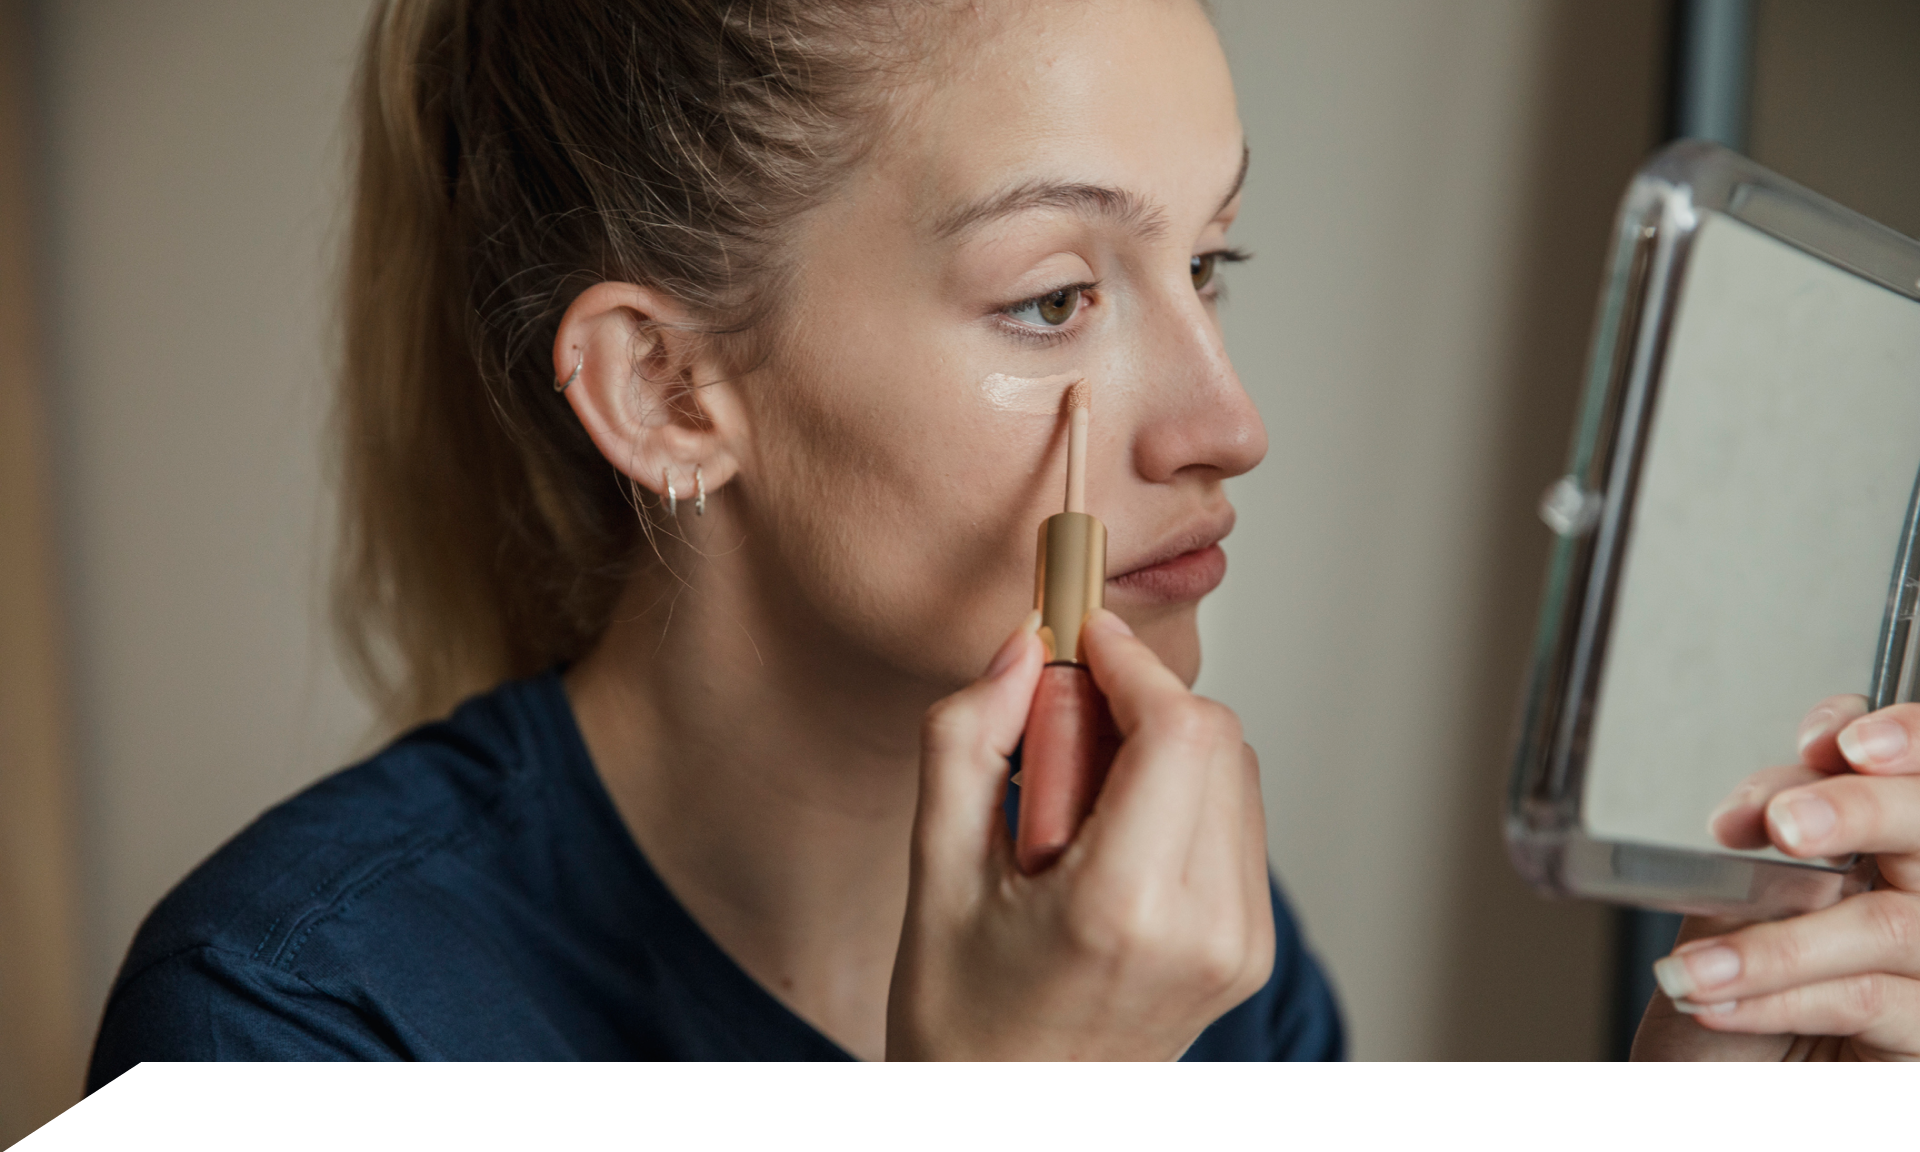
[563, 385]
[673, 498]
[699, 492]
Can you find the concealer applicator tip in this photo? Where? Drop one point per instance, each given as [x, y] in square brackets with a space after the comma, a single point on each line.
[1079, 397]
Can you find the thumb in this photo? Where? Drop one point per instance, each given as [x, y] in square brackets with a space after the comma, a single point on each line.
[964, 745]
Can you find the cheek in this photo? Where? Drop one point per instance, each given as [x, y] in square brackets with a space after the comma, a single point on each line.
[903, 522]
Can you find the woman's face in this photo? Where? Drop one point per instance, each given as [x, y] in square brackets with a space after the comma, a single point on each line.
[1053, 207]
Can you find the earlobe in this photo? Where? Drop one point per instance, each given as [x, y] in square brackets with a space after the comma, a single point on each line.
[641, 378]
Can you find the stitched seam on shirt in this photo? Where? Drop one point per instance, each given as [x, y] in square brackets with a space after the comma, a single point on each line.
[128, 979]
[377, 875]
[314, 894]
[496, 811]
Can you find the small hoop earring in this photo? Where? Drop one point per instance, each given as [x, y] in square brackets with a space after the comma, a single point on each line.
[673, 498]
[563, 385]
[699, 492]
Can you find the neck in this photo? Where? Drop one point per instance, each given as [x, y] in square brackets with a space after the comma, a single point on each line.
[769, 774]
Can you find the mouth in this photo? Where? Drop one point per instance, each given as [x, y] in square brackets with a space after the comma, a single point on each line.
[1191, 565]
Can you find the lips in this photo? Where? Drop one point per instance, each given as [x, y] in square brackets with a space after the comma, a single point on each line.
[1186, 570]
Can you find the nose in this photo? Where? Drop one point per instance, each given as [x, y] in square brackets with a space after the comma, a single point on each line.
[1196, 419]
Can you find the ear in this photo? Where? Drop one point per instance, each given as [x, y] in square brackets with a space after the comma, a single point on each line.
[648, 389]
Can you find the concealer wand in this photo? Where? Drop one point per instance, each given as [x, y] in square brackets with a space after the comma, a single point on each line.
[1069, 740]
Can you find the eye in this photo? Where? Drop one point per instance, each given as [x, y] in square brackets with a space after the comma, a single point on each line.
[1203, 268]
[1052, 310]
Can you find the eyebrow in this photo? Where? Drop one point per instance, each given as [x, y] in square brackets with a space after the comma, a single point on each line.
[1125, 208]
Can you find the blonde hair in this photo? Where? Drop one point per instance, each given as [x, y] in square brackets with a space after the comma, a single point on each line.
[511, 153]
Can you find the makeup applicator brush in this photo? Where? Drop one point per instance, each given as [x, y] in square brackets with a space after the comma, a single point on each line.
[1068, 743]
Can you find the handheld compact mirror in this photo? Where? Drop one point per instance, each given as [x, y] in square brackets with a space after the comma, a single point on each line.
[1736, 534]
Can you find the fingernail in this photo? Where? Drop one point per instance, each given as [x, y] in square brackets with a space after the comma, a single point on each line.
[1711, 968]
[1873, 742]
[1692, 1009]
[1815, 726]
[1009, 653]
[1107, 618]
[1742, 798]
[1686, 974]
[1802, 819]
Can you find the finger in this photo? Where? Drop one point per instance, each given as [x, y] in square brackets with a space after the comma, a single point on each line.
[1258, 897]
[1875, 1009]
[1216, 853]
[1841, 815]
[1222, 898]
[1741, 821]
[1871, 932]
[1818, 747]
[964, 745]
[1150, 807]
[1136, 683]
[1883, 743]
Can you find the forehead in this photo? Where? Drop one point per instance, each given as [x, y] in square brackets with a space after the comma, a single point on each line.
[1127, 94]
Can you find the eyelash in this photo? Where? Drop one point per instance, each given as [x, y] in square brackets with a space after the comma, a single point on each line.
[1038, 335]
[1215, 290]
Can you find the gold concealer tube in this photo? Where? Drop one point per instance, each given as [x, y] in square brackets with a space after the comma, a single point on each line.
[1069, 740]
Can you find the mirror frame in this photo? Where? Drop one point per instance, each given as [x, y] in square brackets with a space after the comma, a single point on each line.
[1590, 509]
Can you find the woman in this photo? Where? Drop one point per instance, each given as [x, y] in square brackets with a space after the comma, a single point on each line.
[704, 373]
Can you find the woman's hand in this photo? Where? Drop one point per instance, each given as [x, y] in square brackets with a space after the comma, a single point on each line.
[1840, 983]
[1153, 923]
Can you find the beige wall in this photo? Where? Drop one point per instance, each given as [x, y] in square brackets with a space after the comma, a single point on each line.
[1431, 194]
[40, 1049]
[193, 162]
[1431, 191]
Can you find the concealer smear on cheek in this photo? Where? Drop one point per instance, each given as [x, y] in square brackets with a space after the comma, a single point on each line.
[1027, 395]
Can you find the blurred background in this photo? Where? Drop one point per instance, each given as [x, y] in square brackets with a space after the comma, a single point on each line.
[1432, 187]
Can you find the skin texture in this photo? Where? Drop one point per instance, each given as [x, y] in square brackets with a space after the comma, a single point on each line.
[1842, 983]
[767, 707]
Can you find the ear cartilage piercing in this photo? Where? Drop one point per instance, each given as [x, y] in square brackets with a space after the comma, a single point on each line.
[699, 492]
[563, 385]
[673, 498]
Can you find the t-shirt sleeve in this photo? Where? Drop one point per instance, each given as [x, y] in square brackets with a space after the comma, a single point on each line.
[207, 1003]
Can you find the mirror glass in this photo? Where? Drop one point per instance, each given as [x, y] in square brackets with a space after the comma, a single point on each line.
[1774, 487]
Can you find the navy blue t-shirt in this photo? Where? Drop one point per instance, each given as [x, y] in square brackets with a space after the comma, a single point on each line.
[470, 893]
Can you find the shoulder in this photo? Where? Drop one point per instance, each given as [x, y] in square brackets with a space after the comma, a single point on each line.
[256, 928]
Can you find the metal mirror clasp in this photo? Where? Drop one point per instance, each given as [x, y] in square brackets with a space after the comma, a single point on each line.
[1569, 509]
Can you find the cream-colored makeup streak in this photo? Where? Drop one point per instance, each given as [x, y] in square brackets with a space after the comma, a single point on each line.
[1027, 395]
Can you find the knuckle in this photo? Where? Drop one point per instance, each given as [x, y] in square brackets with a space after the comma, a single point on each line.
[1197, 723]
[1860, 815]
[948, 724]
[1218, 963]
[1777, 949]
[1187, 722]
[1216, 955]
[1862, 999]
[1895, 920]
[1223, 723]
[1114, 921]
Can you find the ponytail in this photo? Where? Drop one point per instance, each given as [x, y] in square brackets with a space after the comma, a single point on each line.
[509, 154]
